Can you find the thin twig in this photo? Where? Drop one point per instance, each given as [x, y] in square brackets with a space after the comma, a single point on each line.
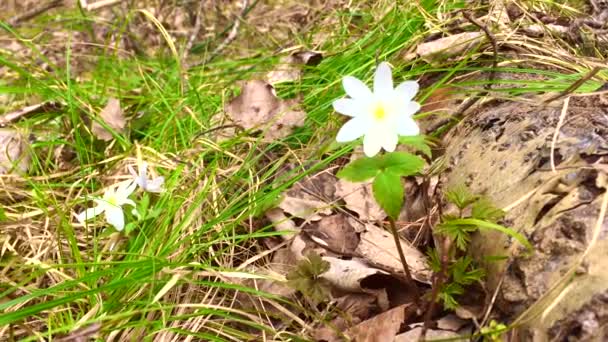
[34, 12]
[195, 30]
[574, 85]
[492, 39]
[406, 267]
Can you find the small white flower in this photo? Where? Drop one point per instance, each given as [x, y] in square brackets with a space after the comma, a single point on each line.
[380, 116]
[111, 204]
[141, 179]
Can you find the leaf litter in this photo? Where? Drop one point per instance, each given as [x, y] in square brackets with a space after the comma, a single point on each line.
[113, 116]
[259, 108]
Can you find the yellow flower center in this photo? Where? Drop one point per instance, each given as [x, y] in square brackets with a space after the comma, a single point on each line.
[112, 200]
[379, 112]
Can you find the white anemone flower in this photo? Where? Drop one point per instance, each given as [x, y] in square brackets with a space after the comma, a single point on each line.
[141, 179]
[111, 204]
[380, 116]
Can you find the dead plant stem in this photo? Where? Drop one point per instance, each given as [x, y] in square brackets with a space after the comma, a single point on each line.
[438, 280]
[406, 267]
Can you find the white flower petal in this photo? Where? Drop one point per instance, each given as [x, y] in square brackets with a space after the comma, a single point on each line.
[137, 177]
[352, 130]
[373, 141]
[407, 126]
[411, 108]
[89, 213]
[143, 171]
[349, 107]
[390, 141]
[355, 88]
[115, 217]
[125, 189]
[156, 185]
[127, 201]
[132, 171]
[383, 80]
[406, 90]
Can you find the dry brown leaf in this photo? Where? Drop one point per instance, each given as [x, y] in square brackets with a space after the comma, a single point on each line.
[258, 107]
[281, 222]
[336, 233]
[383, 327]
[378, 246]
[347, 275]
[451, 322]
[449, 46]
[289, 70]
[431, 334]
[352, 309]
[359, 198]
[303, 208]
[14, 156]
[113, 116]
[282, 262]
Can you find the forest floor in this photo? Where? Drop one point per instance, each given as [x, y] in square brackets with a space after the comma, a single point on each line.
[252, 236]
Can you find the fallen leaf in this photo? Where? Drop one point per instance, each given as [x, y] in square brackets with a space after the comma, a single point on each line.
[378, 246]
[347, 275]
[113, 116]
[469, 311]
[307, 209]
[359, 198]
[431, 334]
[351, 309]
[446, 47]
[383, 327]
[289, 68]
[281, 223]
[14, 156]
[320, 186]
[336, 233]
[451, 322]
[258, 107]
[282, 262]
[7, 118]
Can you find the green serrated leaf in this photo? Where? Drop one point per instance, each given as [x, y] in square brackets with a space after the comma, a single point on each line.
[304, 277]
[361, 169]
[388, 192]
[460, 196]
[483, 209]
[489, 225]
[419, 142]
[402, 163]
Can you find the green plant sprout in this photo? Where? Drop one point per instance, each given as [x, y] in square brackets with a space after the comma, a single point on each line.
[453, 269]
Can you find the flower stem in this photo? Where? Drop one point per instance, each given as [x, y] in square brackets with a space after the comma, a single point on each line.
[406, 268]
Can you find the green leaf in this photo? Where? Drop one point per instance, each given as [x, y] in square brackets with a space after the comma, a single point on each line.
[419, 142]
[304, 277]
[388, 192]
[485, 210]
[464, 272]
[361, 169]
[489, 225]
[402, 163]
[460, 196]
[433, 260]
